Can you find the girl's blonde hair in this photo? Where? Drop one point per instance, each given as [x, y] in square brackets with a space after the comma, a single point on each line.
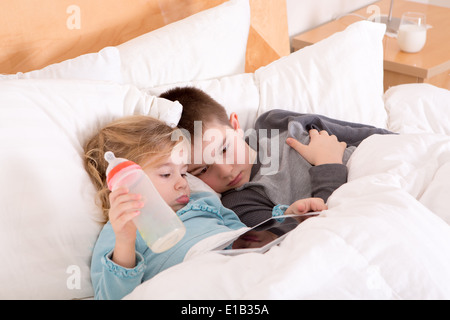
[137, 138]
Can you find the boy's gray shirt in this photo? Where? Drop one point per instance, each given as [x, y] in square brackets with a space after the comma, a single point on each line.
[281, 175]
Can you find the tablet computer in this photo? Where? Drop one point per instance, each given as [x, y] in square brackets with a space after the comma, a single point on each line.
[260, 239]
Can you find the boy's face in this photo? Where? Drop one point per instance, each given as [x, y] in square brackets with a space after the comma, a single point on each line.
[222, 159]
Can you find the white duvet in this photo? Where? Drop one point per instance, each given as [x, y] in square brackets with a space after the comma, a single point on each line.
[386, 235]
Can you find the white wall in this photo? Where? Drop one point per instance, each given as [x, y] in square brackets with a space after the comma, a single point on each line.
[304, 15]
[442, 3]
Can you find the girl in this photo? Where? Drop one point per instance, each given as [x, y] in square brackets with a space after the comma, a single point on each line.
[121, 259]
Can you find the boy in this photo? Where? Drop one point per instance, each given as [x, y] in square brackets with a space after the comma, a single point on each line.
[258, 182]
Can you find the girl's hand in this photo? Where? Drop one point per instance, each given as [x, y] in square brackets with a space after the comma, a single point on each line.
[124, 207]
[322, 148]
[306, 205]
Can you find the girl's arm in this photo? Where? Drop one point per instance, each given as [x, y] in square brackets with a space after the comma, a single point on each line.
[109, 279]
[124, 254]
[124, 207]
[116, 266]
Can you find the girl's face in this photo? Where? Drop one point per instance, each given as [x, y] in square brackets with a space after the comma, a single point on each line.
[170, 181]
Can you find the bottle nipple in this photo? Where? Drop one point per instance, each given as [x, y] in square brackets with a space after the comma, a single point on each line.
[112, 161]
[109, 156]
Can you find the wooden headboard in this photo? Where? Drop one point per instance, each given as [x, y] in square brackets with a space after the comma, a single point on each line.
[35, 34]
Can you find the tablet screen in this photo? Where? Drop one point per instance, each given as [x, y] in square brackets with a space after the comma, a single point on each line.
[260, 238]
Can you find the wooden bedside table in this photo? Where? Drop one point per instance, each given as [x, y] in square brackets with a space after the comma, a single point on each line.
[431, 65]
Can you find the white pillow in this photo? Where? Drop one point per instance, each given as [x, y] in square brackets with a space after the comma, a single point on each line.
[206, 45]
[310, 81]
[418, 108]
[340, 77]
[103, 65]
[237, 93]
[48, 219]
[196, 185]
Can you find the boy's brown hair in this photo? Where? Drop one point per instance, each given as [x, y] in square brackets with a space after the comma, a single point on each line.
[197, 106]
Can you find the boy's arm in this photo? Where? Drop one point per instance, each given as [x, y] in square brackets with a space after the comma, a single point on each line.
[322, 148]
[252, 208]
[249, 205]
[326, 178]
[325, 153]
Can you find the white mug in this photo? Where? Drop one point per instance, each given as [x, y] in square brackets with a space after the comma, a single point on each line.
[412, 33]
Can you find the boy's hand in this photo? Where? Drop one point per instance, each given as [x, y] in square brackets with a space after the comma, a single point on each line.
[306, 205]
[322, 148]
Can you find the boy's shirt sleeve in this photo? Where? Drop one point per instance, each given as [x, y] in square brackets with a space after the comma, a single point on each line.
[326, 178]
[252, 207]
[249, 205]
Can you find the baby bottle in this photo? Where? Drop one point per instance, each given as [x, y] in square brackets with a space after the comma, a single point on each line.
[157, 223]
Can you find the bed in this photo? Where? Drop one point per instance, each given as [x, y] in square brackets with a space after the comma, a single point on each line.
[386, 233]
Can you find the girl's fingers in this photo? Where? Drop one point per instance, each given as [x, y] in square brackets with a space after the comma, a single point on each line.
[126, 217]
[116, 193]
[122, 202]
[122, 196]
[125, 207]
[130, 205]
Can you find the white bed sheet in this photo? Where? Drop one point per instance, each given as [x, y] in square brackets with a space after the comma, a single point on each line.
[383, 237]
